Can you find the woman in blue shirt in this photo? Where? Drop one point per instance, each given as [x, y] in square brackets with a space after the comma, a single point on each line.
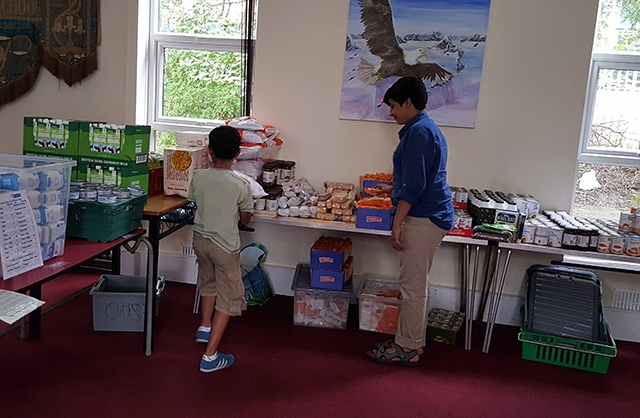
[423, 215]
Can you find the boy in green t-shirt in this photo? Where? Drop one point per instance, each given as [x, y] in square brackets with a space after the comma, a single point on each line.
[222, 199]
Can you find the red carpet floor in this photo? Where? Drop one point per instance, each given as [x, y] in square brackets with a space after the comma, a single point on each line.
[283, 370]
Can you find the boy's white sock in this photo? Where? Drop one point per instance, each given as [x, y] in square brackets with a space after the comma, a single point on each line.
[211, 358]
[205, 329]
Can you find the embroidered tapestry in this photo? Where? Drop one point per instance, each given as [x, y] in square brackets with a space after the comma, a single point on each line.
[61, 35]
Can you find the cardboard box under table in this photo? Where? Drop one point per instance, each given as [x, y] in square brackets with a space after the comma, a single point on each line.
[443, 325]
[105, 221]
[119, 303]
[319, 308]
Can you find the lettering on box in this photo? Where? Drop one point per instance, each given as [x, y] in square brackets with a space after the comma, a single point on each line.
[323, 260]
[115, 311]
[327, 279]
[373, 219]
[173, 174]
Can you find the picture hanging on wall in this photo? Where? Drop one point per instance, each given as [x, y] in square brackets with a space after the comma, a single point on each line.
[59, 35]
[440, 41]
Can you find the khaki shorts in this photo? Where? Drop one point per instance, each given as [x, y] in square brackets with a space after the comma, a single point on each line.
[219, 275]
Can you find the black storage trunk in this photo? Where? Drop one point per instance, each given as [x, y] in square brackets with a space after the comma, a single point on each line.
[564, 302]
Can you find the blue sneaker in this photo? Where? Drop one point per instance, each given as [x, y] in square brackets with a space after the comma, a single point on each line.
[221, 362]
[202, 336]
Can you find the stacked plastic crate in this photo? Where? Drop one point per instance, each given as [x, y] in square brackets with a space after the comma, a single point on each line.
[563, 321]
[46, 184]
[323, 288]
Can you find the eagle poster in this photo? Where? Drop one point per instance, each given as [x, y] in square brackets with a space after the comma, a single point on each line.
[440, 41]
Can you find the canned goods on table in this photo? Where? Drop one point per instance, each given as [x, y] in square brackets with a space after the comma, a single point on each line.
[135, 190]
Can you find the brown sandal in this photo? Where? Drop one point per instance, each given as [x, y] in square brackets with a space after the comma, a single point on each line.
[399, 357]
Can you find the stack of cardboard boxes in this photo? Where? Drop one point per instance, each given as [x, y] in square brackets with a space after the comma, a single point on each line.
[104, 153]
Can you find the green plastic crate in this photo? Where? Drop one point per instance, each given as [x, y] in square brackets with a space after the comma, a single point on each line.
[568, 352]
[105, 222]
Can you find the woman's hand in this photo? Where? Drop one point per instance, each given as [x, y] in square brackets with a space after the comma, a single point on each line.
[396, 238]
[383, 189]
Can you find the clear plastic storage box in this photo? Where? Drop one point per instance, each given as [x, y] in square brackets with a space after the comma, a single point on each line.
[316, 307]
[379, 304]
[46, 181]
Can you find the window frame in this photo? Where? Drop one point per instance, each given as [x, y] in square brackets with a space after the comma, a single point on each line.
[604, 61]
[157, 43]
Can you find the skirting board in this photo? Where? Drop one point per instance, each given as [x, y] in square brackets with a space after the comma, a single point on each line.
[183, 269]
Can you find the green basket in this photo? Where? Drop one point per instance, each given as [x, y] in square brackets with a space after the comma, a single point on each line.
[568, 352]
[105, 221]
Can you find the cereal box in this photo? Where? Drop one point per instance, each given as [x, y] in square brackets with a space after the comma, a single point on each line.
[180, 163]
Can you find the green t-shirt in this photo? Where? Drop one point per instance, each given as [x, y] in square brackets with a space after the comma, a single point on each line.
[220, 195]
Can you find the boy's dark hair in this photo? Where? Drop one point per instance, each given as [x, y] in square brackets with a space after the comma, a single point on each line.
[407, 88]
[224, 142]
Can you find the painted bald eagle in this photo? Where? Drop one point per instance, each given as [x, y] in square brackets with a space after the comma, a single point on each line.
[381, 39]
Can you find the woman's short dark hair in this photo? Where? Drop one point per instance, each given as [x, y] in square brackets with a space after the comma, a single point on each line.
[224, 142]
[407, 88]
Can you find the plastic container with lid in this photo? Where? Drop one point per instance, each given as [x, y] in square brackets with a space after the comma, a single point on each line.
[555, 236]
[379, 303]
[618, 243]
[570, 238]
[271, 202]
[318, 307]
[47, 182]
[584, 234]
[287, 171]
[270, 173]
[594, 237]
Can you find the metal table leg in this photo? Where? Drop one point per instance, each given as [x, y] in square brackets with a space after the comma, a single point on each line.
[496, 295]
[154, 242]
[464, 278]
[471, 293]
[489, 267]
[150, 293]
[35, 317]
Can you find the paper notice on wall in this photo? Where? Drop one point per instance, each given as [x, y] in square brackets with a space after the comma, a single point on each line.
[14, 306]
[19, 242]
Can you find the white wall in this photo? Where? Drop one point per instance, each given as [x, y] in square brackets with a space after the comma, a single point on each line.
[107, 94]
[525, 139]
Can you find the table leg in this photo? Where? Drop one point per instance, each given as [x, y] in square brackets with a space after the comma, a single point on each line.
[154, 234]
[35, 316]
[471, 296]
[116, 258]
[154, 240]
[489, 266]
[150, 292]
[496, 295]
[464, 278]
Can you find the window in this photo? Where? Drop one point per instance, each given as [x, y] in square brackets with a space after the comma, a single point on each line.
[609, 156]
[199, 64]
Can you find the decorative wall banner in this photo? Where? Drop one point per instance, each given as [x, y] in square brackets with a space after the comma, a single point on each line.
[61, 35]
